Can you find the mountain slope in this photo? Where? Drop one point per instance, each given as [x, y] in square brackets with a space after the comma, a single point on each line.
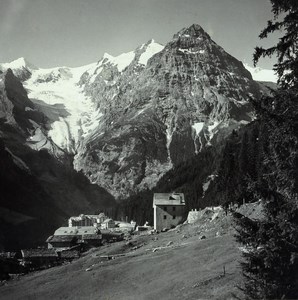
[189, 94]
[129, 119]
[39, 189]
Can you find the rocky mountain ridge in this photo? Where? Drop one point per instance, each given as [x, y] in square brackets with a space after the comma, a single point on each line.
[129, 119]
[190, 94]
[39, 189]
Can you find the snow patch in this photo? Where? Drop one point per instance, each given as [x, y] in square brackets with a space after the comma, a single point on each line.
[152, 49]
[189, 51]
[121, 61]
[59, 86]
[198, 127]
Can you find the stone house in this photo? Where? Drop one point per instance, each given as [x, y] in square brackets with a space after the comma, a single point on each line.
[61, 242]
[91, 240]
[107, 224]
[110, 236]
[168, 210]
[69, 254]
[68, 237]
[37, 258]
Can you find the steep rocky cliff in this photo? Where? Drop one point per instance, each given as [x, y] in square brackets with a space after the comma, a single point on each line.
[156, 115]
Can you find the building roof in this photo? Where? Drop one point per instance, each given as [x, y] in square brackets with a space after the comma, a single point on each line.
[90, 217]
[33, 253]
[70, 254]
[109, 233]
[91, 236]
[61, 238]
[100, 215]
[107, 221]
[76, 230]
[168, 199]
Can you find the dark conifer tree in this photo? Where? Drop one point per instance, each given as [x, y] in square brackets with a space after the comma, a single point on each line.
[286, 20]
[270, 265]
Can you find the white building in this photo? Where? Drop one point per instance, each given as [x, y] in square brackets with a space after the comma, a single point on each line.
[168, 210]
[86, 220]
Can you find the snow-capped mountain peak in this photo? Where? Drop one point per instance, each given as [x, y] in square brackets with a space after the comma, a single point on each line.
[150, 49]
[193, 31]
[121, 61]
[18, 64]
[144, 111]
[20, 67]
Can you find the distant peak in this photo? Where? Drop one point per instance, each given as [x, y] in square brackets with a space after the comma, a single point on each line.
[18, 64]
[196, 27]
[151, 41]
[148, 50]
[20, 60]
[108, 56]
[195, 30]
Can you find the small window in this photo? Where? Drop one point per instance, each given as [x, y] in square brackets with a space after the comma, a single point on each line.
[174, 217]
[174, 208]
[164, 217]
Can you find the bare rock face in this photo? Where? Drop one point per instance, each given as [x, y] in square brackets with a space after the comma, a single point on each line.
[129, 119]
[187, 96]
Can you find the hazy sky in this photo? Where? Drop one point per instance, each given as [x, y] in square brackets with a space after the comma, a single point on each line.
[51, 33]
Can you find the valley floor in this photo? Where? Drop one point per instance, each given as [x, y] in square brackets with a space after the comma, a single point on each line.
[178, 264]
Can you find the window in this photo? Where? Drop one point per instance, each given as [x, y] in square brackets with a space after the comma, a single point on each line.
[174, 217]
[174, 208]
[164, 217]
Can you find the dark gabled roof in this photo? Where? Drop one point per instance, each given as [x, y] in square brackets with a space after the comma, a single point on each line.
[91, 236]
[111, 233]
[70, 254]
[33, 253]
[168, 199]
[61, 238]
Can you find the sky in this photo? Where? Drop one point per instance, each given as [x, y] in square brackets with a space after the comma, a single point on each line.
[50, 33]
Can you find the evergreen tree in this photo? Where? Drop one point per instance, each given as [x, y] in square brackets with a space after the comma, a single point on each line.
[286, 20]
[270, 265]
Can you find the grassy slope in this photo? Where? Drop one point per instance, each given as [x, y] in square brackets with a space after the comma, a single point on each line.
[190, 268]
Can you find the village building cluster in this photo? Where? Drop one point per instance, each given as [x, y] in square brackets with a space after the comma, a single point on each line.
[86, 231]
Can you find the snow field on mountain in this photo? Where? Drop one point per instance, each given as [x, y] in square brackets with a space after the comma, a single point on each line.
[59, 86]
[259, 74]
[151, 50]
